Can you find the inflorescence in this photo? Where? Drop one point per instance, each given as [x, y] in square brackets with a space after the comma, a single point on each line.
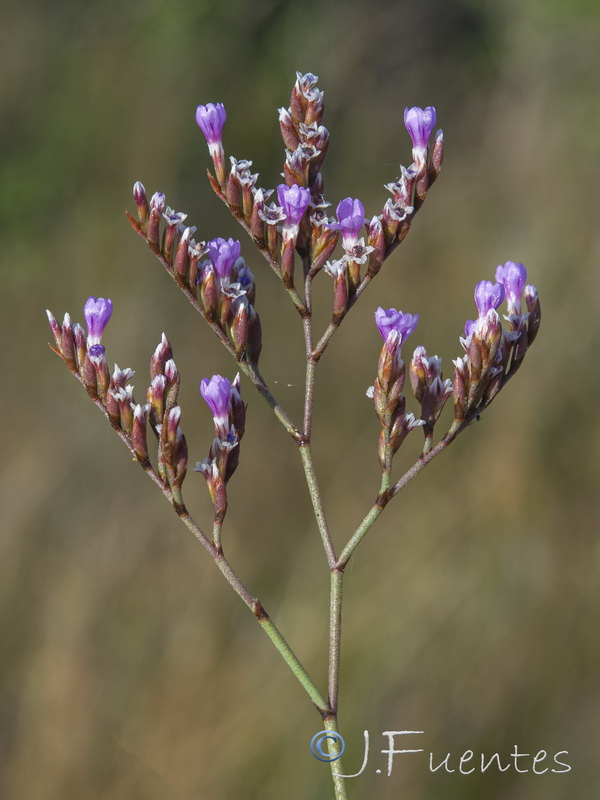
[216, 279]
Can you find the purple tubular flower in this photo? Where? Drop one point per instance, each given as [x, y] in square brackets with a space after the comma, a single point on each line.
[216, 392]
[210, 119]
[294, 200]
[392, 320]
[96, 313]
[223, 253]
[512, 276]
[419, 123]
[488, 296]
[351, 217]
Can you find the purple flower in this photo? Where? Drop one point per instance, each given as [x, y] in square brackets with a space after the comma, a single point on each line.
[294, 200]
[392, 320]
[216, 392]
[419, 124]
[351, 217]
[466, 339]
[488, 296]
[210, 119]
[223, 253]
[96, 313]
[512, 276]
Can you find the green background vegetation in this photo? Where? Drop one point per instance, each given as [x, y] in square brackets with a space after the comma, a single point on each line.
[129, 670]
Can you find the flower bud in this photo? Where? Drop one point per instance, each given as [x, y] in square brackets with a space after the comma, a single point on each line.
[56, 330]
[239, 327]
[80, 344]
[88, 375]
[289, 133]
[196, 251]
[102, 375]
[233, 190]
[124, 399]
[535, 313]
[138, 431]
[156, 400]
[160, 357]
[376, 240]
[182, 258]
[418, 373]
[460, 388]
[173, 219]
[437, 156]
[257, 224]
[208, 292]
[173, 380]
[288, 255]
[337, 270]
[141, 201]
[157, 205]
[237, 410]
[254, 343]
[67, 342]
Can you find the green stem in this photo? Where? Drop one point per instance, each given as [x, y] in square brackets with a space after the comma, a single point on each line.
[252, 372]
[386, 493]
[315, 496]
[337, 770]
[294, 664]
[335, 636]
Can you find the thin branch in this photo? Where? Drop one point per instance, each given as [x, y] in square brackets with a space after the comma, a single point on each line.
[386, 494]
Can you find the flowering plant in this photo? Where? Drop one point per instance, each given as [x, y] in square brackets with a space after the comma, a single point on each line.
[298, 241]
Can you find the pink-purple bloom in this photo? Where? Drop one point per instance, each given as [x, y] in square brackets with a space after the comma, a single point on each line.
[210, 119]
[391, 320]
[216, 393]
[488, 296]
[294, 200]
[223, 253]
[351, 217]
[97, 313]
[419, 123]
[512, 276]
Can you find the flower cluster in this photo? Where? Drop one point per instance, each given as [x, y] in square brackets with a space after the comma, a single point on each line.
[306, 140]
[164, 415]
[85, 355]
[86, 358]
[229, 418]
[390, 404]
[493, 354]
[221, 286]
[409, 190]
[227, 293]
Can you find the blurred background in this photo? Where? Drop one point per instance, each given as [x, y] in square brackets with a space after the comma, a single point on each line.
[129, 669]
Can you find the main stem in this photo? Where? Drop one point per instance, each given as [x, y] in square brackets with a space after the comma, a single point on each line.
[337, 575]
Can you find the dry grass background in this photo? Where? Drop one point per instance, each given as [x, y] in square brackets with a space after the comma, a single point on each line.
[129, 669]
